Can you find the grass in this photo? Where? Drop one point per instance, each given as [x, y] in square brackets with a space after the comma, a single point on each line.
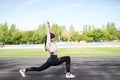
[73, 52]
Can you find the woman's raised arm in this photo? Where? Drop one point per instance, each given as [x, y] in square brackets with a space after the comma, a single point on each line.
[47, 27]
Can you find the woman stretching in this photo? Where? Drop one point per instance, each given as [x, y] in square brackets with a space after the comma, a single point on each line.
[53, 60]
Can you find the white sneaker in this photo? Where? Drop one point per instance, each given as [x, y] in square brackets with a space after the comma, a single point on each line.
[22, 72]
[69, 75]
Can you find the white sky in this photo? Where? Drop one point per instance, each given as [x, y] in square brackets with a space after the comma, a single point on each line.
[29, 14]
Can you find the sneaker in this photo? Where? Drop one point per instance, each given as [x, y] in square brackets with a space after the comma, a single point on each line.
[69, 75]
[22, 72]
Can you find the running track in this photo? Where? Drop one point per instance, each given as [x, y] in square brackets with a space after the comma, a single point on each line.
[86, 68]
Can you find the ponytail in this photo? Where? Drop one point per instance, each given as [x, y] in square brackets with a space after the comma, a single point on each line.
[45, 43]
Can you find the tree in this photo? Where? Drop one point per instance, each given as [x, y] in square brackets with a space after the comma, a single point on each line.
[110, 30]
[63, 29]
[87, 36]
[118, 34]
[35, 37]
[41, 33]
[88, 28]
[24, 37]
[71, 29]
[57, 30]
[4, 33]
[75, 36]
[97, 35]
[65, 36]
[15, 35]
[71, 32]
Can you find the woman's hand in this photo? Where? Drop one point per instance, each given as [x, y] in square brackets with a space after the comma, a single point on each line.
[47, 26]
[48, 22]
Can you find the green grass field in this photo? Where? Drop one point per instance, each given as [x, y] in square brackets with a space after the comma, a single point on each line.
[73, 52]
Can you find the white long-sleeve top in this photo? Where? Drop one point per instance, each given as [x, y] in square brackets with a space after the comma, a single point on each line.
[51, 46]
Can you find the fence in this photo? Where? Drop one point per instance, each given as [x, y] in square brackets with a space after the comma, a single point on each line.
[65, 45]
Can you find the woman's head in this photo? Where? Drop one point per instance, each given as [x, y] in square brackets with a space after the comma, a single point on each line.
[52, 37]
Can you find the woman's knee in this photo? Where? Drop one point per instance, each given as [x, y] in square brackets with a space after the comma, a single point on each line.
[68, 59]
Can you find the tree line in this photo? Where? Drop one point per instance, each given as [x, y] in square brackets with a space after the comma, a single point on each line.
[12, 35]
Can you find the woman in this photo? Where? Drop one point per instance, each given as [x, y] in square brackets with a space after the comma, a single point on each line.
[53, 60]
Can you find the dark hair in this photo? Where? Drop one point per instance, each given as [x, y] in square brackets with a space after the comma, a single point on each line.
[51, 36]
